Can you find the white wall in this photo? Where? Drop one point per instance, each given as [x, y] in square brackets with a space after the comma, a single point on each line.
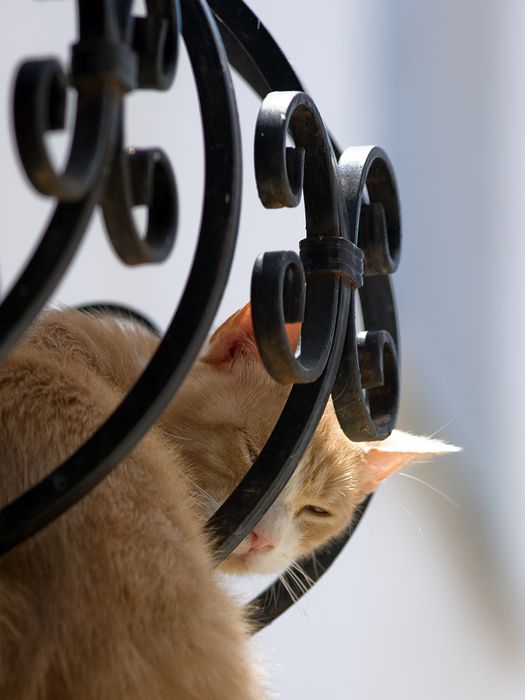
[427, 601]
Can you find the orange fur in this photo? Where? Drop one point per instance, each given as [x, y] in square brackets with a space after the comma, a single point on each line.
[117, 598]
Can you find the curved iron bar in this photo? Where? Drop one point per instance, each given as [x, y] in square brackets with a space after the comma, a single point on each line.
[279, 457]
[282, 173]
[121, 311]
[140, 177]
[145, 177]
[253, 52]
[104, 68]
[276, 599]
[369, 361]
[38, 107]
[194, 315]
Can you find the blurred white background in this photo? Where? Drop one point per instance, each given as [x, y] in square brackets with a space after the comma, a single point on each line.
[428, 599]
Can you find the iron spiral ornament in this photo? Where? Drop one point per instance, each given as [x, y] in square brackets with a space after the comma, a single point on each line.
[352, 246]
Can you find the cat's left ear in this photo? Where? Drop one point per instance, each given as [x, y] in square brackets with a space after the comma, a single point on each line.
[235, 339]
[385, 457]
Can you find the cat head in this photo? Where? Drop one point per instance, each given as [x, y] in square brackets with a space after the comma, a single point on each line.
[224, 414]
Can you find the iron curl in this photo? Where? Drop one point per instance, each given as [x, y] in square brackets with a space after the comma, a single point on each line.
[103, 68]
[282, 173]
[102, 65]
[366, 391]
[145, 177]
[155, 40]
[141, 177]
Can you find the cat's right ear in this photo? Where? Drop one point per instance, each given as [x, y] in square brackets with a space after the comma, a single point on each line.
[235, 339]
[385, 457]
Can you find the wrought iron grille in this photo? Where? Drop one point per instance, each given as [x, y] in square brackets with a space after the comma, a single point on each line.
[352, 245]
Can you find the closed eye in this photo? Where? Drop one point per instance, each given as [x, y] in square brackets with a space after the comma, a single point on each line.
[316, 510]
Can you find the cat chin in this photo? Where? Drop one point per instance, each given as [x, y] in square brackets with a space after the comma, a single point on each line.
[254, 563]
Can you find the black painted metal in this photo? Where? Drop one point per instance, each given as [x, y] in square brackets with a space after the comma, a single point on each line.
[352, 244]
[124, 312]
[190, 325]
[252, 51]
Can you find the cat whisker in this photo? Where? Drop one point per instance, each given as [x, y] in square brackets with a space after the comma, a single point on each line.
[297, 567]
[414, 521]
[295, 578]
[274, 595]
[344, 483]
[200, 495]
[317, 565]
[287, 588]
[344, 479]
[335, 398]
[268, 595]
[173, 435]
[433, 488]
[443, 426]
[271, 594]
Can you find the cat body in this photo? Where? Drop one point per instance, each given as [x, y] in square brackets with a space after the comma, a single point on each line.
[117, 598]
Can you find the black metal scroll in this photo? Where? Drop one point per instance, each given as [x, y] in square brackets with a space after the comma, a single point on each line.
[362, 372]
[203, 291]
[352, 243]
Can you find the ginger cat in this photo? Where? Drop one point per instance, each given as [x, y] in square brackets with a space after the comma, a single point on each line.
[116, 599]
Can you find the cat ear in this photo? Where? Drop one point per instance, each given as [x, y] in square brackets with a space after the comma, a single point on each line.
[236, 338]
[385, 457]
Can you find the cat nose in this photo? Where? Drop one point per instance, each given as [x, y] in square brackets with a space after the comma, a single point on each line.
[261, 540]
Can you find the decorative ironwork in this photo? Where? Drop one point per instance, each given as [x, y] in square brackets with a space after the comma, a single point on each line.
[352, 243]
